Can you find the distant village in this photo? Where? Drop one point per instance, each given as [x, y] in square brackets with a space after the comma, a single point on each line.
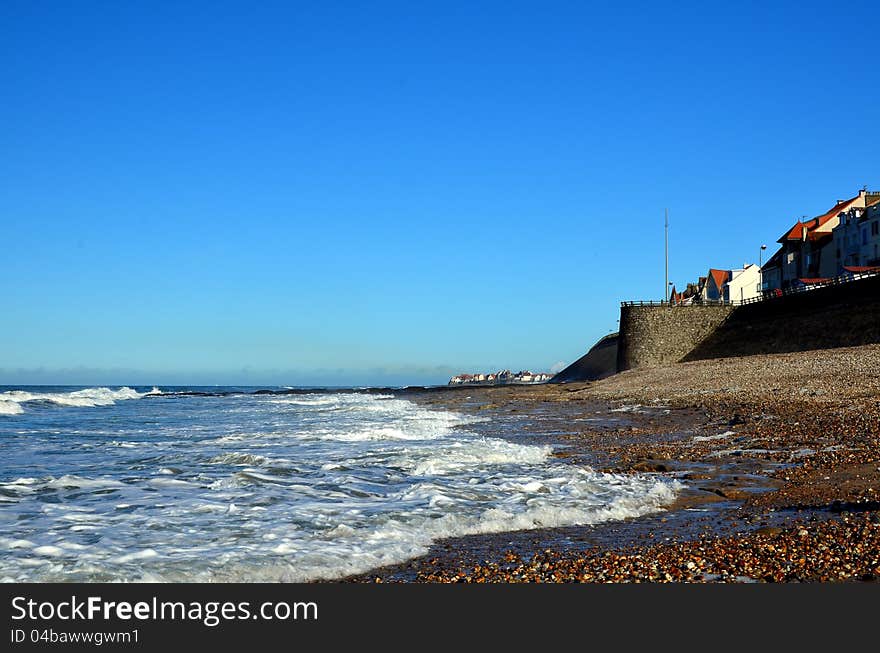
[500, 378]
[839, 245]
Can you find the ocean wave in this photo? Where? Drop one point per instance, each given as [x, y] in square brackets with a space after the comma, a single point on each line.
[73, 482]
[236, 458]
[322, 400]
[346, 548]
[252, 490]
[473, 455]
[10, 407]
[405, 537]
[12, 400]
[27, 486]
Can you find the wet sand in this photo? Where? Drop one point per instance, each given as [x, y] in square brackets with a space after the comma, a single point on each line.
[779, 455]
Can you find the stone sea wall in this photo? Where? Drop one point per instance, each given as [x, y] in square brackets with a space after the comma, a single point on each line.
[843, 315]
[651, 336]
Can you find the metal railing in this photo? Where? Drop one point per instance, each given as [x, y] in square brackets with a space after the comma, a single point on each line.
[768, 295]
[778, 293]
[654, 302]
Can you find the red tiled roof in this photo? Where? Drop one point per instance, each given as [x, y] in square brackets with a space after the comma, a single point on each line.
[857, 269]
[796, 232]
[834, 212]
[720, 276]
[811, 281]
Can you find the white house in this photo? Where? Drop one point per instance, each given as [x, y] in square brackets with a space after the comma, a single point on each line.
[742, 284]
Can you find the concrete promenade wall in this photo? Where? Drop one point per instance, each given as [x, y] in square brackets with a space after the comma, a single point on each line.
[844, 315]
[651, 336]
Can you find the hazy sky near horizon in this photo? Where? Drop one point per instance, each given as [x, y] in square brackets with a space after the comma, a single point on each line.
[389, 192]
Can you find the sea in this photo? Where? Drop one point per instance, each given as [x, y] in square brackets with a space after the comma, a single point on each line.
[245, 484]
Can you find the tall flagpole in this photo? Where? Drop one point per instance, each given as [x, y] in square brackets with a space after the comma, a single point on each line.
[666, 234]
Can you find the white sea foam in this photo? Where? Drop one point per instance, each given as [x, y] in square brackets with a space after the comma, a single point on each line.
[374, 433]
[71, 482]
[268, 490]
[236, 458]
[15, 544]
[322, 400]
[634, 408]
[481, 497]
[49, 551]
[472, 455]
[12, 400]
[20, 486]
[8, 407]
[137, 555]
[708, 438]
[169, 482]
[346, 549]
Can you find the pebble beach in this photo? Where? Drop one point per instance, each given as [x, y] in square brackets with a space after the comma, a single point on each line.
[778, 455]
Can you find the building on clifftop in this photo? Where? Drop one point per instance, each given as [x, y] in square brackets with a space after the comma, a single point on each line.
[857, 237]
[809, 249]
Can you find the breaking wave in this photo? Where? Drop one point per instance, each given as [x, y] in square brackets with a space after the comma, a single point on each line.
[12, 400]
[246, 487]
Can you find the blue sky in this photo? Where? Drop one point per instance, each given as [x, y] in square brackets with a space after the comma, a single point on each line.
[352, 193]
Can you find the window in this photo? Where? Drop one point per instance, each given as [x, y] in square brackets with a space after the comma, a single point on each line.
[864, 236]
[874, 228]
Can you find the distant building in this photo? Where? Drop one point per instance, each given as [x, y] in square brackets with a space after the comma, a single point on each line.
[687, 297]
[500, 378]
[713, 289]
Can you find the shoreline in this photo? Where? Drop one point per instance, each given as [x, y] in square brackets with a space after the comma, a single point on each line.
[778, 453]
